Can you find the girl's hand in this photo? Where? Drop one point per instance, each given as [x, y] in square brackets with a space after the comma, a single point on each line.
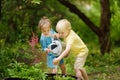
[56, 61]
[48, 50]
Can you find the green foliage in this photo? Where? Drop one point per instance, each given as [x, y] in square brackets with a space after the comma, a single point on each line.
[90, 8]
[9, 54]
[21, 18]
[115, 22]
[103, 66]
[6, 57]
[20, 70]
[33, 1]
[100, 63]
[17, 21]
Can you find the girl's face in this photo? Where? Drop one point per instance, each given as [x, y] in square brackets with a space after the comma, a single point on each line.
[46, 30]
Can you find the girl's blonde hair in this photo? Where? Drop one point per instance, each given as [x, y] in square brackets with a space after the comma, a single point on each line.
[63, 25]
[44, 22]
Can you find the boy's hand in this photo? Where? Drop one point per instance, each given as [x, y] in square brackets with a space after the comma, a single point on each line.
[56, 36]
[56, 61]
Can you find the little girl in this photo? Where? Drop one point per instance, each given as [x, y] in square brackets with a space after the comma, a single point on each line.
[45, 40]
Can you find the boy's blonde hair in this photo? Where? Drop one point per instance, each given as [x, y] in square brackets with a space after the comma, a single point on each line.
[44, 22]
[63, 25]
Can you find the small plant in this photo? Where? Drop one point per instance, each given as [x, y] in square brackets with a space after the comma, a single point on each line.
[21, 70]
[33, 41]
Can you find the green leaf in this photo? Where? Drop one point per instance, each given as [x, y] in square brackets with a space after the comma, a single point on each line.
[36, 1]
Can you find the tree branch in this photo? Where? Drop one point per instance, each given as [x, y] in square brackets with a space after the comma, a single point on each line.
[81, 15]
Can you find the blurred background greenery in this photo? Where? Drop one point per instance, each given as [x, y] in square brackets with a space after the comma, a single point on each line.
[18, 18]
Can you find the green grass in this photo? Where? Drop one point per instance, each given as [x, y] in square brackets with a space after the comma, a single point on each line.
[104, 67]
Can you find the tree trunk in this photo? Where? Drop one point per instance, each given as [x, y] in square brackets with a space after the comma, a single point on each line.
[104, 39]
[103, 32]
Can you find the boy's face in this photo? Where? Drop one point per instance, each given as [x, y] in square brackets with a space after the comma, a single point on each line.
[64, 34]
[45, 30]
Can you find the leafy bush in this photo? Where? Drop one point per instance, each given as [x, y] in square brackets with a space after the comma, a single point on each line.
[10, 54]
[21, 70]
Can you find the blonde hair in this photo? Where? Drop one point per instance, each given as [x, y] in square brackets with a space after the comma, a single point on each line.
[63, 25]
[44, 22]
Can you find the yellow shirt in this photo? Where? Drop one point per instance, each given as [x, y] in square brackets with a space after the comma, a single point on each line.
[77, 45]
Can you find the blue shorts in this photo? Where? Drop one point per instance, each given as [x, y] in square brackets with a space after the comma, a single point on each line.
[50, 58]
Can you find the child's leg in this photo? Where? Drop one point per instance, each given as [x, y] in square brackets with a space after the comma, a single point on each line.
[84, 74]
[79, 63]
[79, 74]
[54, 70]
[63, 69]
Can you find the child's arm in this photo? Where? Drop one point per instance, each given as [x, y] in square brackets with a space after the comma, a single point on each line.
[56, 35]
[64, 53]
[42, 44]
[44, 47]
